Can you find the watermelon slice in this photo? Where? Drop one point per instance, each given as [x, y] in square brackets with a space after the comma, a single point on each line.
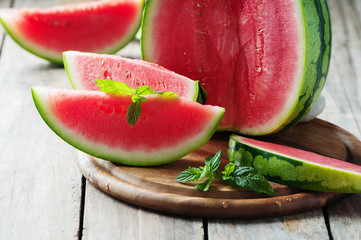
[264, 61]
[94, 122]
[83, 68]
[295, 167]
[102, 26]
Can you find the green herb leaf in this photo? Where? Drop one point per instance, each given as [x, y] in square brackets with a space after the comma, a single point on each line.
[144, 90]
[114, 87]
[135, 108]
[237, 176]
[133, 112]
[251, 178]
[167, 94]
[191, 174]
[228, 170]
[204, 186]
[214, 161]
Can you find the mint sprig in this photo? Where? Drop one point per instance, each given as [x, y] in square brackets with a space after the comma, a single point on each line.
[233, 173]
[135, 108]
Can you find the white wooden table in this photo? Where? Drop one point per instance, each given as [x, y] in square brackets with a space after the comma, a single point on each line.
[43, 195]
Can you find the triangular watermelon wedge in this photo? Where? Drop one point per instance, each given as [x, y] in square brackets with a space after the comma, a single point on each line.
[83, 68]
[102, 26]
[295, 167]
[94, 122]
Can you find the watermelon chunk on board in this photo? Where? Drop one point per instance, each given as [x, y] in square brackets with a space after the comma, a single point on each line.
[264, 61]
[94, 122]
[101, 26]
[295, 167]
[83, 68]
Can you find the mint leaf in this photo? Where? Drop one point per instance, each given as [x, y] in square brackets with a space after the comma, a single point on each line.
[135, 108]
[144, 90]
[204, 186]
[214, 162]
[237, 176]
[114, 87]
[167, 94]
[228, 170]
[190, 174]
[133, 112]
[252, 179]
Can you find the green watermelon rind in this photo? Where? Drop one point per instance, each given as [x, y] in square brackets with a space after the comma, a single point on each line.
[318, 40]
[294, 172]
[197, 94]
[315, 27]
[58, 60]
[102, 151]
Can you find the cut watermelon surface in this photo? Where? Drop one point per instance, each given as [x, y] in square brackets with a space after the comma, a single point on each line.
[264, 61]
[94, 122]
[102, 26]
[296, 167]
[83, 68]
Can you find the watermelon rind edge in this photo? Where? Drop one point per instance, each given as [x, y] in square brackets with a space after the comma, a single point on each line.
[294, 172]
[98, 151]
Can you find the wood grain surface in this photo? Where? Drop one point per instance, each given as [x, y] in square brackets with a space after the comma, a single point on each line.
[42, 192]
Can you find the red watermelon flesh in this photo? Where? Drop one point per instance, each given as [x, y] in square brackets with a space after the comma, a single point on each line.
[83, 68]
[96, 123]
[102, 26]
[250, 56]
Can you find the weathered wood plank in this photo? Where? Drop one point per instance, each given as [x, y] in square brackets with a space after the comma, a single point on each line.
[343, 90]
[3, 4]
[109, 218]
[308, 225]
[39, 181]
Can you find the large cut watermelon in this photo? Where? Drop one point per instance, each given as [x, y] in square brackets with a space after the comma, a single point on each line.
[83, 68]
[264, 61]
[102, 26]
[295, 167]
[94, 122]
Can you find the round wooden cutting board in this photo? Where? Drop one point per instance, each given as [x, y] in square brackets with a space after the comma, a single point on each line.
[156, 188]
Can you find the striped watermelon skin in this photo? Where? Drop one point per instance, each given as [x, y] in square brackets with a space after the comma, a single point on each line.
[311, 57]
[318, 38]
[296, 168]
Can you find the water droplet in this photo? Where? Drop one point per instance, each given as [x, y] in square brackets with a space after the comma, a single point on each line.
[138, 83]
[102, 63]
[204, 32]
[225, 204]
[252, 95]
[259, 69]
[185, 53]
[107, 186]
[278, 203]
[127, 74]
[200, 5]
[289, 199]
